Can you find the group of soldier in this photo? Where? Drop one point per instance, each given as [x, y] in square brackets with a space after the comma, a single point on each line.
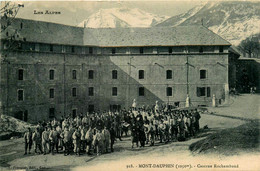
[147, 127]
[97, 132]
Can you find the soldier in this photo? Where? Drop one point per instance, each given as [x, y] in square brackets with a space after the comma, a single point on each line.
[89, 139]
[112, 137]
[189, 125]
[82, 138]
[76, 141]
[161, 128]
[28, 141]
[36, 137]
[66, 140]
[45, 141]
[54, 140]
[106, 134]
[77, 120]
[197, 117]
[142, 137]
[98, 142]
[152, 133]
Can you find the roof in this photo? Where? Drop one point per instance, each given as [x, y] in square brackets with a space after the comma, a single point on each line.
[46, 32]
[153, 36]
[234, 50]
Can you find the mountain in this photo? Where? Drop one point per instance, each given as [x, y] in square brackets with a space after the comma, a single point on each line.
[234, 21]
[122, 17]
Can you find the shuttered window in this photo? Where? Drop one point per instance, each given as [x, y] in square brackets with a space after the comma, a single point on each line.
[114, 74]
[74, 92]
[141, 74]
[91, 91]
[20, 74]
[203, 92]
[169, 91]
[169, 74]
[114, 91]
[141, 91]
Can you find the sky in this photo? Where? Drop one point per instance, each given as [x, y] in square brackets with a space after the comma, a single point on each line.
[74, 12]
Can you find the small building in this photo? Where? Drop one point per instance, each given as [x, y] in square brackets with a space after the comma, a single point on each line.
[55, 70]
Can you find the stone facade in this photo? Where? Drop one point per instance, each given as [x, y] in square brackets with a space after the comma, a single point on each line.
[34, 96]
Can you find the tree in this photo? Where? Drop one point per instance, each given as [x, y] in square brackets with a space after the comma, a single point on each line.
[251, 45]
[9, 11]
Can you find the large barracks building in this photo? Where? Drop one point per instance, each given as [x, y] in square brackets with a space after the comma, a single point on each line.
[53, 70]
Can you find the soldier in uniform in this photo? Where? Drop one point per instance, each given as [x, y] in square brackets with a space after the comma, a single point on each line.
[36, 137]
[76, 141]
[106, 134]
[54, 140]
[28, 141]
[112, 137]
[66, 140]
[89, 139]
[45, 141]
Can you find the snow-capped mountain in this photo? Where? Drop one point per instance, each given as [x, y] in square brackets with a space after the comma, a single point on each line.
[234, 21]
[122, 17]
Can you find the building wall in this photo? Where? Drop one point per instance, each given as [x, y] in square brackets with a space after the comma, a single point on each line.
[248, 74]
[36, 83]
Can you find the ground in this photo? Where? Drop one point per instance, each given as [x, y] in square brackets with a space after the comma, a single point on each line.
[240, 110]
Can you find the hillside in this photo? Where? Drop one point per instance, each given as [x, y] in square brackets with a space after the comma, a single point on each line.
[234, 21]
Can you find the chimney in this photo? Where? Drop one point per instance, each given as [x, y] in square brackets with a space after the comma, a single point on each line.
[85, 24]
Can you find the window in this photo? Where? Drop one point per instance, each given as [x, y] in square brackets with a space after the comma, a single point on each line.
[91, 91]
[201, 49]
[203, 91]
[51, 48]
[141, 91]
[74, 74]
[208, 92]
[114, 91]
[90, 74]
[169, 74]
[169, 91]
[51, 73]
[74, 113]
[21, 25]
[20, 95]
[72, 49]
[51, 93]
[20, 74]
[74, 92]
[90, 49]
[114, 74]
[141, 50]
[221, 49]
[203, 74]
[170, 50]
[141, 74]
[91, 108]
[51, 112]
[113, 50]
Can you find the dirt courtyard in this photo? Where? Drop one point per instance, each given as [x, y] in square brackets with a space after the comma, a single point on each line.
[174, 155]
